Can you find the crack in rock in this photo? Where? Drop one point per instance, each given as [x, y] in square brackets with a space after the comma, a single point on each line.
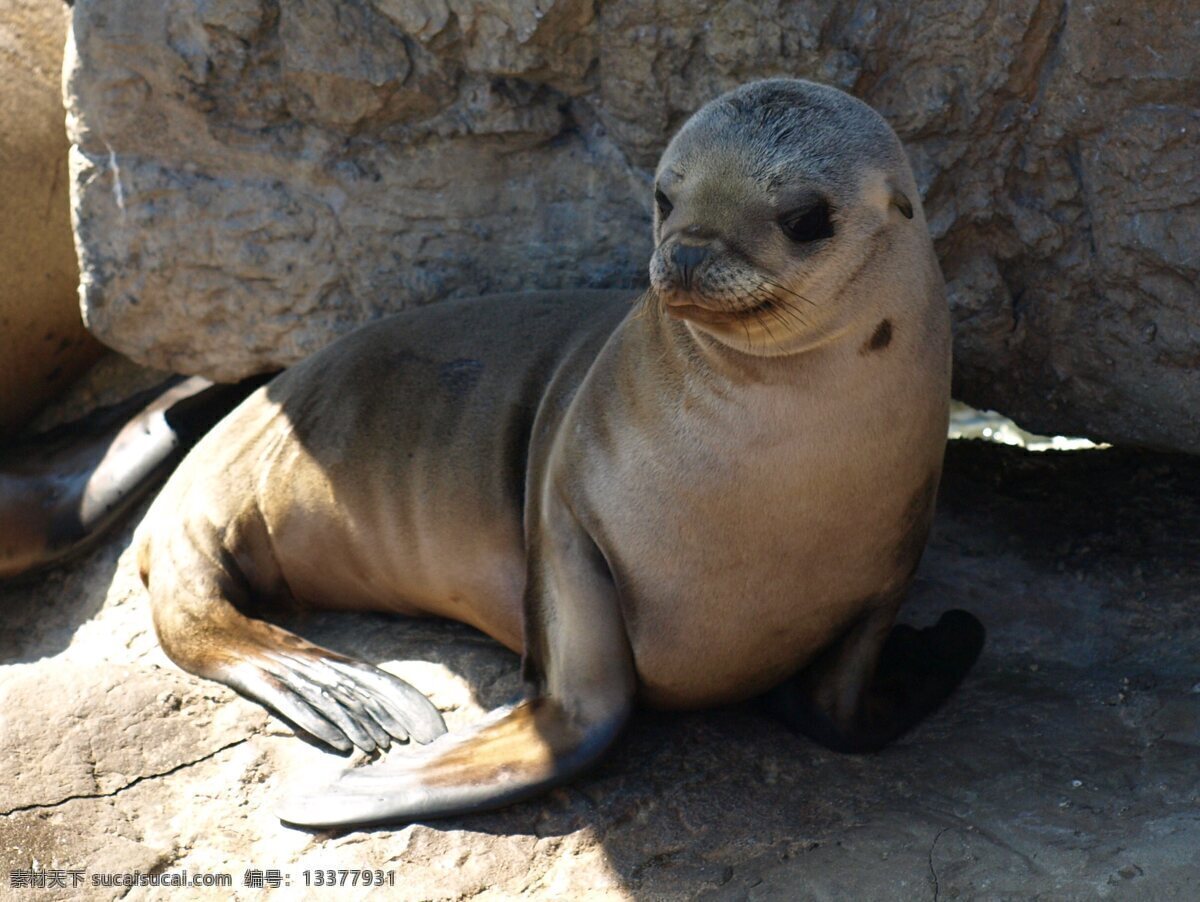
[932, 870]
[120, 789]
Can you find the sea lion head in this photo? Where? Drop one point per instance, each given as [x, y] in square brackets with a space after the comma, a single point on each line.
[771, 203]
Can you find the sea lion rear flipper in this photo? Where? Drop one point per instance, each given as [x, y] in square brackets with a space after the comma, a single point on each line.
[577, 657]
[61, 489]
[517, 752]
[874, 685]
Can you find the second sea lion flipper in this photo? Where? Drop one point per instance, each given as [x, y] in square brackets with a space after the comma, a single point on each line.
[62, 489]
[579, 662]
[879, 681]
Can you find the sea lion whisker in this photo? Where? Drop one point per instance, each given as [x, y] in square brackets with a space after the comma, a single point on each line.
[741, 320]
[775, 314]
[648, 304]
[775, 306]
[758, 315]
[783, 304]
[790, 291]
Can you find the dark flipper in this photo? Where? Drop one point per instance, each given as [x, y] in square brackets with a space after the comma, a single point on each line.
[342, 702]
[859, 696]
[60, 490]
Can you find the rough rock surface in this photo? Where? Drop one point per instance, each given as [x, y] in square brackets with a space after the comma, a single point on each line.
[253, 177]
[1064, 768]
[43, 344]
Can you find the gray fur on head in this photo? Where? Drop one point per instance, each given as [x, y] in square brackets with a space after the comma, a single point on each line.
[782, 125]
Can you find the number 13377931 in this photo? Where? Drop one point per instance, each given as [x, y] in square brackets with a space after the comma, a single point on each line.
[349, 877]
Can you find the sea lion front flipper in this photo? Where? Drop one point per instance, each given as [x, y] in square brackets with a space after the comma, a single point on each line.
[341, 701]
[196, 588]
[579, 661]
[875, 684]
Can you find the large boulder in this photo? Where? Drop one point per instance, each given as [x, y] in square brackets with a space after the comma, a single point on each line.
[253, 178]
[43, 344]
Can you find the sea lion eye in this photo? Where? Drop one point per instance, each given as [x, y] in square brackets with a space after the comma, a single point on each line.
[811, 223]
[664, 205]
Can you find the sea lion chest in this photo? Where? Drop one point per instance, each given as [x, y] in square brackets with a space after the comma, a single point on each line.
[748, 525]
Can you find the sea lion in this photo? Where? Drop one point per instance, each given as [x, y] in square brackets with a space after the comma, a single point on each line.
[688, 500]
[62, 489]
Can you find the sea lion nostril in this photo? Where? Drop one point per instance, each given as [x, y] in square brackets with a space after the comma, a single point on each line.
[687, 258]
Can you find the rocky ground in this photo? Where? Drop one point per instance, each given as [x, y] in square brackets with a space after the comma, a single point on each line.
[1067, 766]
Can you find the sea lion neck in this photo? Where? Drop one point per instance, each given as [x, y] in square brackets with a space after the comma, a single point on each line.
[682, 348]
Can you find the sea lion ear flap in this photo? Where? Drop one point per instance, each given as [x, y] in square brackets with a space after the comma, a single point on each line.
[901, 202]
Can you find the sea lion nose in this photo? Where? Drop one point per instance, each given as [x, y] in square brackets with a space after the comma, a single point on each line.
[687, 258]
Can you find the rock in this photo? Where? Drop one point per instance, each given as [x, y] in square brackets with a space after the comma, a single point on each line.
[43, 344]
[254, 178]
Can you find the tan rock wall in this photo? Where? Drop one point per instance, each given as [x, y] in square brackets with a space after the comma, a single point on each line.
[43, 344]
[253, 177]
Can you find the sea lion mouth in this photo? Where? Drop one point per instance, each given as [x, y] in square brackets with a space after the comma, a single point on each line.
[710, 317]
